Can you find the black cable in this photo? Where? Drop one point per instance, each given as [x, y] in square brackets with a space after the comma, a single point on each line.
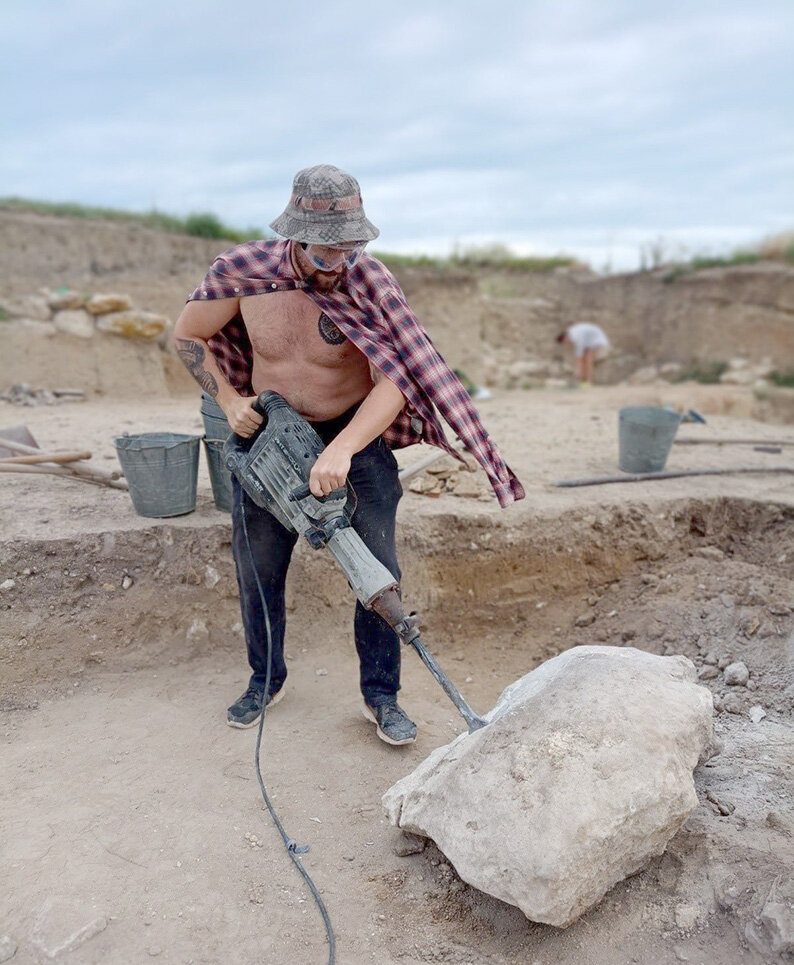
[293, 849]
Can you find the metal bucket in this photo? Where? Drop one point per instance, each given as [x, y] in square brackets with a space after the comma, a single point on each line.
[220, 476]
[162, 470]
[215, 423]
[645, 437]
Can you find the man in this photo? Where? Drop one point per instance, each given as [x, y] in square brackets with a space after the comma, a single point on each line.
[326, 326]
[589, 343]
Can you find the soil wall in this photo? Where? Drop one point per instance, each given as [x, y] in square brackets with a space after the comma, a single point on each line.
[482, 323]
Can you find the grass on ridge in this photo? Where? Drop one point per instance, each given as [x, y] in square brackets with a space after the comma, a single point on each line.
[198, 225]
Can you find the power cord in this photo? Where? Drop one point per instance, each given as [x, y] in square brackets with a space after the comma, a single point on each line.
[294, 850]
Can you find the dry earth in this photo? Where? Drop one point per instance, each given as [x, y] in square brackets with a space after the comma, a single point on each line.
[131, 825]
[131, 821]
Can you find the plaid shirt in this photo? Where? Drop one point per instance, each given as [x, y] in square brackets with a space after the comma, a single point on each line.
[370, 309]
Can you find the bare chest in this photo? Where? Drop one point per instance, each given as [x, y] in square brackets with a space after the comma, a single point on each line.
[288, 326]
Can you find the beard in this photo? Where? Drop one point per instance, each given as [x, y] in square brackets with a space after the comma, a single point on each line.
[325, 280]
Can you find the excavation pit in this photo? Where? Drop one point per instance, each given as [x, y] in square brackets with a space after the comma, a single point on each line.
[133, 822]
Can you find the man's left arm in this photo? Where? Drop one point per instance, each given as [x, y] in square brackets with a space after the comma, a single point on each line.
[375, 414]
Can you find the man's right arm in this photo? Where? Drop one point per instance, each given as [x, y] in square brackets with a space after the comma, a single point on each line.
[198, 322]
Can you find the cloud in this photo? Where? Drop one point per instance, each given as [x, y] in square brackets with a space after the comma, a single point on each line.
[559, 123]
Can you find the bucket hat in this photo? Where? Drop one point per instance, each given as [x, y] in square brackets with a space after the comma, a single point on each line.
[325, 209]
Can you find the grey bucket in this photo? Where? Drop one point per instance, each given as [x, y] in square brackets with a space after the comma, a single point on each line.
[645, 437]
[215, 424]
[220, 476]
[161, 469]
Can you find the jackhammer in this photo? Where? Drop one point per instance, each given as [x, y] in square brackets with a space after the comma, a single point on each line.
[274, 470]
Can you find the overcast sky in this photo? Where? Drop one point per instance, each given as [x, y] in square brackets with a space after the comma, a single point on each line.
[586, 127]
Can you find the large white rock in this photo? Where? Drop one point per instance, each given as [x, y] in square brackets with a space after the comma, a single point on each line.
[583, 775]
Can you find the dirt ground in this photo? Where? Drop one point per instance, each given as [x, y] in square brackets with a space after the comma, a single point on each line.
[131, 824]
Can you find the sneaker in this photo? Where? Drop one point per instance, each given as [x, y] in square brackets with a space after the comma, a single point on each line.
[246, 710]
[394, 725]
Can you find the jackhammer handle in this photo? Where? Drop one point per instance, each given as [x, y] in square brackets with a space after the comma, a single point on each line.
[268, 400]
[303, 491]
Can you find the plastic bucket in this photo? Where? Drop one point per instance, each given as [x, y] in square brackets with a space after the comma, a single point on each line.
[162, 470]
[645, 437]
[215, 424]
[220, 476]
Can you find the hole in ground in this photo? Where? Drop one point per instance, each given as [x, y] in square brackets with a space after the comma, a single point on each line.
[132, 801]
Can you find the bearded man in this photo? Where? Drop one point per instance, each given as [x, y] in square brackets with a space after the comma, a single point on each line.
[318, 320]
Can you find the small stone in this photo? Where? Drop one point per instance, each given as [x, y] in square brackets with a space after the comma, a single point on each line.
[723, 662]
[709, 553]
[321, 672]
[61, 927]
[7, 585]
[708, 672]
[8, 948]
[126, 581]
[145, 325]
[733, 704]
[650, 579]
[752, 685]
[756, 714]
[585, 620]
[211, 577]
[77, 323]
[29, 306]
[466, 484]
[736, 674]
[60, 300]
[424, 485]
[102, 304]
[711, 658]
[197, 631]
[628, 635]
[409, 844]
[751, 627]
[724, 807]
[773, 932]
[686, 916]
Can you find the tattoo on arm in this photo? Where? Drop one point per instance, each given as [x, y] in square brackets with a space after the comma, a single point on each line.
[192, 354]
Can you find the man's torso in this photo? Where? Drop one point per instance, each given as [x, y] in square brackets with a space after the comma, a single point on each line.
[300, 353]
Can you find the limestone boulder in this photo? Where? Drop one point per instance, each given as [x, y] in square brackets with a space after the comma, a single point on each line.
[74, 322]
[583, 774]
[102, 304]
[133, 324]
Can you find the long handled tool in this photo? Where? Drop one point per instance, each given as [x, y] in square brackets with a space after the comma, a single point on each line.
[274, 470]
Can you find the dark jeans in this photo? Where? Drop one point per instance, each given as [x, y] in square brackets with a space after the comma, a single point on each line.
[376, 491]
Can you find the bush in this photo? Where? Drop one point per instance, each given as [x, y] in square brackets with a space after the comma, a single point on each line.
[200, 225]
[784, 378]
[205, 225]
